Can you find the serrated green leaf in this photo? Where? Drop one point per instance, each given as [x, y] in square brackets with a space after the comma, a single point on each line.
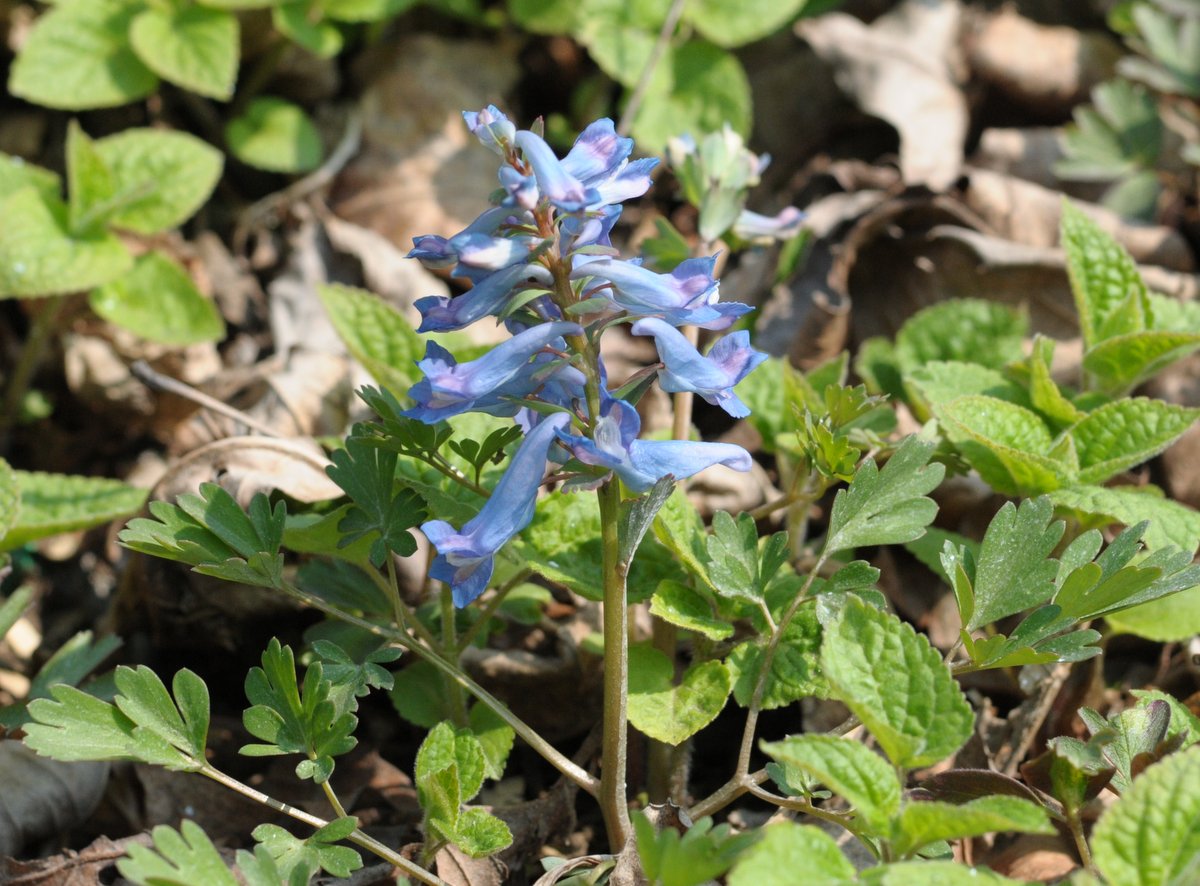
[445, 747]
[794, 672]
[1172, 43]
[353, 677]
[367, 474]
[886, 506]
[666, 712]
[678, 526]
[932, 873]
[279, 136]
[293, 19]
[1131, 738]
[1007, 444]
[292, 855]
[680, 605]
[965, 330]
[1103, 278]
[190, 46]
[143, 698]
[10, 508]
[39, 254]
[1044, 393]
[696, 857]
[376, 334]
[638, 515]
[731, 26]
[702, 88]
[54, 503]
[927, 822]
[179, 858]
[78, 56]
[172, 172]
[258, 868]
[1123, 362]
[736, 568]
[1152, 836]
[158, 301]
[848, 769]
[784, 849]
[480, 834]
[72, 725]
[90, 183]
[495, 739]
[939, 381]
[1171, 523]
[1125, 433]
[919, 721]
[1014, 571]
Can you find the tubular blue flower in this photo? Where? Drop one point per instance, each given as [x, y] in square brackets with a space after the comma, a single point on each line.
[713, 376]
[642, 463]
[487, 297]
[493, 129]
[685, 297]
[554, 182]
[488, 384]
[480, 247]
[465, 557]
[493, 253]
[765, 229]
[600, 159]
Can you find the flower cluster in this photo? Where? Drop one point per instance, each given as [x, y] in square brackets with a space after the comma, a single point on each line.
[543, 263]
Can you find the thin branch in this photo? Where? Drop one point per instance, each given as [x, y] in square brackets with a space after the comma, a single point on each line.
[154, 379]
[656, 54]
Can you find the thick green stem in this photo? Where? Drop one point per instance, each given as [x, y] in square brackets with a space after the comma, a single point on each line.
[660, 756]
[27, 364]
[458, 704]
[613, 802]
[357, 837]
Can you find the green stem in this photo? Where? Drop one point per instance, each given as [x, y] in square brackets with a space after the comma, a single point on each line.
[338, 808]
[357, 837]
[458, 704]
[796, 804]
[613, 801]
[660, 756]
[391, 587]
[552, 755]
[31, 356]
[489, 609]
[656, 53]
[1075, 825]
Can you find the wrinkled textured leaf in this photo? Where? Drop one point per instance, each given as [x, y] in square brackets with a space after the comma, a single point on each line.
[158, 301]
[666, 712]
[1152, 836]
[847, 768]
[680, 605]
[1103, 279]
[10, 507]
[54, 503]
[1127, 432]
[895, 681]
[964, 330]
[1007, 444]
[794, 673]
[190, 46]
[786, 848]
[1171, 523]
[78, 56]
[480, 834]
[1123, 362]
[376, 334]
[928, 822]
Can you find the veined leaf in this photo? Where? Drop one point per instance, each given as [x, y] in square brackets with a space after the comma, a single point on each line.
[1007, 444]
[918, 721]
[179, 858]
[1125, 433]
[368, 473]
[54, 503]
[785, 848]
[1122, 362]
[158, 301]
[90, 183]
[10, 507]
[299, 860]
[16, 173]
[666, 712]
[1103, 280]
[680, 605]
[376, 334]
[965, 330]
[928, 822]
[190, 46]
[1171, 523]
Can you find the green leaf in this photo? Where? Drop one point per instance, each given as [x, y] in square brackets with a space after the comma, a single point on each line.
[1171, 523]
[1183, 722]
[13, 607]
[367, 473]
[680, 605]
[364, 10]
[446, 747]
[562, 543]
[666, 712]
[785, 848]
[638, 515]
[1127, 432]
[10, 508]
[923, 823]
[376, 334]
[886, 506]
[91, 184]
[54, 503]
[179, 858]
[1152, 835]
[1172, 43]
[932, 873]
[279, 136]
[731, 26]
[794, 672]
[736, 568]
[298, 860]
[354, 677]
[918, 721]
[72, 725]
[16, 173]
[419, 695]
[258, 868]
[1123, 362]
[158, 301]
[965, 330]
[294, 20]
[545, 16]
[172, 173]
[708, 88]
[1109, 584]
[1014, 571]
[480, 834]
[1007, 444]
[143, 698]
[190, 46]
[495, 739]
[39, 254]
[78, 56]
[1103, 280]
[1131, 739]
[680, 529]
[940, 381]
[694, 858]
[294, 721]
[1115, 136]
[848, 769]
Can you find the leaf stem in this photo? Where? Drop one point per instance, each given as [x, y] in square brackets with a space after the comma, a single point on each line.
[1075, 826]
[458, 704]
[31, 356]
[613, 802]
[333, 799]
[489, 609]
[656, 53]
[358, 837]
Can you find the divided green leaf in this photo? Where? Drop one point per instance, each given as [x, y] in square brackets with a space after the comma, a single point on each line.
[368, 475]
[179, 858]
[298, 861]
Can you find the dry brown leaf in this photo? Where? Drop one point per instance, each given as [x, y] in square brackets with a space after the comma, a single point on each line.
[43, 797]
[87, 867]
[903, 68]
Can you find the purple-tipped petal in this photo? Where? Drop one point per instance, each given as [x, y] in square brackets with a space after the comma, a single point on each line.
[757, 228]
[712, 376]
[433, 252]
[465, 558]
[486, 298]
[493, 129]
[554, 182]
[631, 181]
[598, 152]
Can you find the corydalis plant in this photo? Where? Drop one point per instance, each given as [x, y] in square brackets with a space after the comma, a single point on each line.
[542, 261]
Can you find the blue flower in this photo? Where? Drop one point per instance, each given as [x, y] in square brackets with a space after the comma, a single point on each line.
[493, 129]
[686, 297]
[491, 383]
[642, 463]
[765, 229]
[487, 297]
[465, 557]
[712, 377]
[485, 245]
[554, 182]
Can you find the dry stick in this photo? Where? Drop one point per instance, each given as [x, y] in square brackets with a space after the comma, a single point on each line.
[656, 54]
[152, 378]
[1028, 719]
